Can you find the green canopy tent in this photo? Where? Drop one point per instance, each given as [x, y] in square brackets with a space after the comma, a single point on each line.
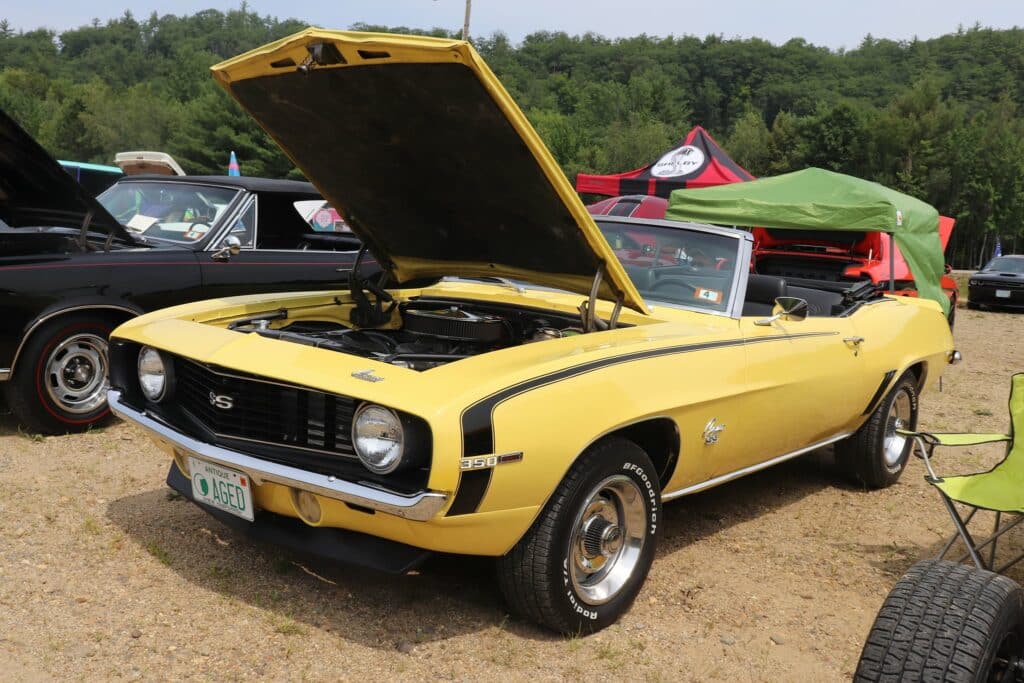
[816, 199]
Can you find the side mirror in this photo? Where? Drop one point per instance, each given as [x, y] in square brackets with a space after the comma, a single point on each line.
[231, 248]
[788, 309]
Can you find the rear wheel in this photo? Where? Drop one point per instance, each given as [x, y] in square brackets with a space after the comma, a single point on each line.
[60, 382]
[876, 454]
[945, 621]
[582, 563]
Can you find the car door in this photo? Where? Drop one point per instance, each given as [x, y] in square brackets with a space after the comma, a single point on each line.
[806, 384]
[279, 253]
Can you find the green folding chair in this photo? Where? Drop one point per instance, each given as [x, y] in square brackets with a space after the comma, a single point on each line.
[1000, 489]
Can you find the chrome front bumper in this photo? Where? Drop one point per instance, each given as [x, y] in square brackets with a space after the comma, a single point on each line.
[418, 507]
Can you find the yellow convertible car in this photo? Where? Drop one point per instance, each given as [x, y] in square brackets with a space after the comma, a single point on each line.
[520, 381]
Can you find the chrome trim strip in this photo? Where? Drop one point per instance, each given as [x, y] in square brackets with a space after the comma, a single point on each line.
[54, 314]
[5, 374]
[419, 507]
[723, 478]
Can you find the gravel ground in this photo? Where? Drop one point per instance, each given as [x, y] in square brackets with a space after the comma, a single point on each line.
[106, 575]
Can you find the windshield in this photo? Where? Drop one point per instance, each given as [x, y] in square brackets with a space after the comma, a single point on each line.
[1006, 265]
[179, 212]
[678, 266]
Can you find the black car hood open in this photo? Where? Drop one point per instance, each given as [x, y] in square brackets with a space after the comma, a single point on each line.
[430, 161]
[36, 192]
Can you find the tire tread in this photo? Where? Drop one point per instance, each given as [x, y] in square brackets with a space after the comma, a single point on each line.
[936, 624]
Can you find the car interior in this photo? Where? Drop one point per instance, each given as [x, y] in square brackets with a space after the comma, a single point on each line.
[690, 268]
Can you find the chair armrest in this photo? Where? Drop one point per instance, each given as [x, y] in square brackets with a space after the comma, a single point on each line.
[954, 438]
[927, 441]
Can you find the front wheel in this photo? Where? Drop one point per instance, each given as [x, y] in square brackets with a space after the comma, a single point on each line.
[582, 563]
[876, 454]
[60, 383]
[945, 621]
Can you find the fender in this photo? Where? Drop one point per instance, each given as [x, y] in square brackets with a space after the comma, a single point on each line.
[62, 308]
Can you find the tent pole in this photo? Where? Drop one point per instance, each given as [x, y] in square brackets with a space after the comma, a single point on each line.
[892, 262]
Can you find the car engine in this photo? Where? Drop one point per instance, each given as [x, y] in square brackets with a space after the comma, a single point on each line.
[433, 332]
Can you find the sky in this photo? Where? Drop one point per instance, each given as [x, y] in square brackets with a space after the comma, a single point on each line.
[831, 23]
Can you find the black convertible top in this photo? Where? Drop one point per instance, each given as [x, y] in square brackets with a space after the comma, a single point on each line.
[243, 182]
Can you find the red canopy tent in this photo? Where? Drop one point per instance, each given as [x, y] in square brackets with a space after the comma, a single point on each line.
[697, 161]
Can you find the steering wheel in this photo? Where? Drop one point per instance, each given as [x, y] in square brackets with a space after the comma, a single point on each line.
[674, 282]
[699, 259]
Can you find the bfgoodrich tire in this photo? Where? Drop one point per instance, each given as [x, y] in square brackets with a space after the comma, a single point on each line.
[582, 563]
[875, 455]
[59, 384]
[946, 622]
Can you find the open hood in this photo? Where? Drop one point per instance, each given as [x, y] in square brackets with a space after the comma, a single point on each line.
[35, 191]
[428, 158]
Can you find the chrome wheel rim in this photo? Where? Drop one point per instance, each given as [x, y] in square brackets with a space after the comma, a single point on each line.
[607, 539]
[75, 373]
[900, 414]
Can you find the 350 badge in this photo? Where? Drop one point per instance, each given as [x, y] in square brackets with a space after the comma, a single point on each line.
[484, 462]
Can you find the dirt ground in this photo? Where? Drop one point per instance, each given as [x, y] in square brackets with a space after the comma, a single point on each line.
[104, 575]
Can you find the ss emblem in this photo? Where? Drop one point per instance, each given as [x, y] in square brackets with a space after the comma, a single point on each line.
[222, 401]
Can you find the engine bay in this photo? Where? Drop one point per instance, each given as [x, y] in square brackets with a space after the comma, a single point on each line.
[433, 332]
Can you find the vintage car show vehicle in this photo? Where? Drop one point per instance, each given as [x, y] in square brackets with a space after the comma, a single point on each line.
[73, 267]
[1000, 284]
[525, 383]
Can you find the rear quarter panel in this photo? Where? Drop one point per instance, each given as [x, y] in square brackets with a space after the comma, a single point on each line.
[903, 332]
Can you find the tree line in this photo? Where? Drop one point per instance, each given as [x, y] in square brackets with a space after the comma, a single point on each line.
[939, 119]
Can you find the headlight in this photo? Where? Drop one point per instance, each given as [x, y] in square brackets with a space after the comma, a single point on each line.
[973, 283]
[378, 438]
[152, 374]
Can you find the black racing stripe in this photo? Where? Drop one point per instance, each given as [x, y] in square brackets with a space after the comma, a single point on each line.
[477, 426]
[472, 487]
[879, 392]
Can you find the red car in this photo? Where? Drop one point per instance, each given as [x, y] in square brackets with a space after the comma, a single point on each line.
[804, 254]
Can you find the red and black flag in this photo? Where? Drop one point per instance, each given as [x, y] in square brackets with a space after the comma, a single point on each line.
[697, 161]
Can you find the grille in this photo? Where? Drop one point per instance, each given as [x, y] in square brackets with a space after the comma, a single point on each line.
[264, 412]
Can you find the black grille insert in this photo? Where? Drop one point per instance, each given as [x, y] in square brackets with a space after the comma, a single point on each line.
[282, 423]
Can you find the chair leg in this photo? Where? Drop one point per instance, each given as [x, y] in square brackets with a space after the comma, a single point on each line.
[980, 545]
[992, 550]
[964, 533]
[952, 539]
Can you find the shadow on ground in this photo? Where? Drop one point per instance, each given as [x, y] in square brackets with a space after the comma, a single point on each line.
[8, 423]
[447, 596]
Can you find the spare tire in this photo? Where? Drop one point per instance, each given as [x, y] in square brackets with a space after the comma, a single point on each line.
[945, 621]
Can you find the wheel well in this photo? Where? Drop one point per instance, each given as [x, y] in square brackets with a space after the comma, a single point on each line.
[920, 373]
[659, 437]
[112, 314]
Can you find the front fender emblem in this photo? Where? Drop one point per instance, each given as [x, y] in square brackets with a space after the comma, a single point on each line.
[711, 431]
[368, 376]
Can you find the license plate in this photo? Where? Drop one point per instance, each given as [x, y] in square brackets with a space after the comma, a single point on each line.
[221, 488]
[1003, 293]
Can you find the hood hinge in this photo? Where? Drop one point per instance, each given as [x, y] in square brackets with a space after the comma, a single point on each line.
[588, 308]
[84, 230]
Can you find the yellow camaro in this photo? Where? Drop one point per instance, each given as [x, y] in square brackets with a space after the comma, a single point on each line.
[515, 380]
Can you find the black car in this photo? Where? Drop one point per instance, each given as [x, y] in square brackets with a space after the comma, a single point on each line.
[1000, 284]
[73, 267]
